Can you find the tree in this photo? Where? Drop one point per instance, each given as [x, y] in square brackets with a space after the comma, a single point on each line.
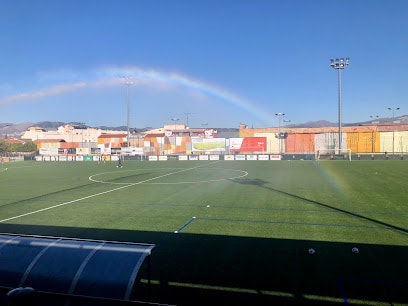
[28, 146]
[3, 147]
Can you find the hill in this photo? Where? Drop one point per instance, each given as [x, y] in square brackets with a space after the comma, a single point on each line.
[14, 130]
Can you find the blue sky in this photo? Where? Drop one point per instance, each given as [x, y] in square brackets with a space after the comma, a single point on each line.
[221, 62]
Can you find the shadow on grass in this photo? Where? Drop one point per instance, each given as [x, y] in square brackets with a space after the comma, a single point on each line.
[197, 269]
[262, 183]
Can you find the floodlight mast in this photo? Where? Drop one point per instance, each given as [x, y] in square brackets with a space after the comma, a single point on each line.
[339, 64]
[127, 82]
[393, 126]
[280, 115]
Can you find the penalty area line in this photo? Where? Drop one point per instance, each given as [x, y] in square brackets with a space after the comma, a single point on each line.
[185, 225]
[95, 195]
[166, 240]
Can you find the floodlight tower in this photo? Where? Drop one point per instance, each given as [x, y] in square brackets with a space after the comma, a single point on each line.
[280, 115]
[127, 82]
[339, 64]
[393, 126]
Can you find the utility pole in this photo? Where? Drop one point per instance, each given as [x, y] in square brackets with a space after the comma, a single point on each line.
[187, 116]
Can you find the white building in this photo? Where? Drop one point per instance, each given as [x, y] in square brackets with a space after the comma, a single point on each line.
[68, 133]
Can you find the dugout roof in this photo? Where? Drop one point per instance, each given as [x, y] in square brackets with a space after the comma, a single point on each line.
[103, 269]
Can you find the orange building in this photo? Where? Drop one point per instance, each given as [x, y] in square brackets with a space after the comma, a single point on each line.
[358, 139]
[112, 140]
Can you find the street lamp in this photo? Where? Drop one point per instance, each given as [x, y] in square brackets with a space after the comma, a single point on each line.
[393, 126]
[339, 64]
[175, 120]
[375, 119]
[280, 115]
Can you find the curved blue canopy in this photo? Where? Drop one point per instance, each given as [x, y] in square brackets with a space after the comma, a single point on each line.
[104, 269]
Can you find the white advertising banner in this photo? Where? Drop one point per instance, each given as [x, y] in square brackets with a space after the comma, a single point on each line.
[49, 151]
[235, 143]
[82, 151]
[131, 151]
[208, 144]
[251, 157]
[44, 151]
[263, 157]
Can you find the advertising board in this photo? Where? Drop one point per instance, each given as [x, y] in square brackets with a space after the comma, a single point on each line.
[251, 157]
[208, 144]
[248, 144]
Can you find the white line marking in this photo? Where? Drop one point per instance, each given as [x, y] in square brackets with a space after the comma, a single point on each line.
[92, 178]
[99, 193]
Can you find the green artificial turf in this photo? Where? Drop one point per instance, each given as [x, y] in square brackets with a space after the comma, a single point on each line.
[231, 232]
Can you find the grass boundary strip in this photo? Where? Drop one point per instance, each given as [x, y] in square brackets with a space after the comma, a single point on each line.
[301, 223]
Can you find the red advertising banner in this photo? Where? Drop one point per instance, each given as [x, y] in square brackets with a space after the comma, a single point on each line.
[248, 144]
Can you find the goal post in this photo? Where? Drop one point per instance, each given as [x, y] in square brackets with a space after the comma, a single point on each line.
[333, 154]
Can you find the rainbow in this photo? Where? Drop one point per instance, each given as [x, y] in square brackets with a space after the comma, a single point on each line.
[336, 180]
[113, 76]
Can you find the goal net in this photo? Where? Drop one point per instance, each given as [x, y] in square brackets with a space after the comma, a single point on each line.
[333, 154]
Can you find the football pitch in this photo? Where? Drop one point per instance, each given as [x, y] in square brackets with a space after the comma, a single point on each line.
[231, 232]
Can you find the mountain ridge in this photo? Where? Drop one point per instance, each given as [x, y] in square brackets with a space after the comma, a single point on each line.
[15, 129]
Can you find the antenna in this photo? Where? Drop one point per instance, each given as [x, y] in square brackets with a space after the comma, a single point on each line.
[187, 115]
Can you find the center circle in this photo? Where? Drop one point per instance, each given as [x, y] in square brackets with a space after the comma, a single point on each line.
[166, 176]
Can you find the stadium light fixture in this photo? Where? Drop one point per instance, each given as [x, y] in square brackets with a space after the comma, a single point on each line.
[339, 64]
[393, 126]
